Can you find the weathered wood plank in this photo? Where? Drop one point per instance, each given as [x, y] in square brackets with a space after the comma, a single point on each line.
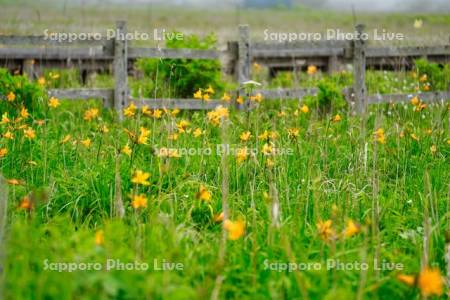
[81, 93]
[285, 93]
[359, 72]
[442, 96]
[314, 52]
[75, 94]
[120, 65]
[301, 45]
[134, 52]
[54, 53]
[41, 40]
[407, 51]
[184, 104]
[243, 63]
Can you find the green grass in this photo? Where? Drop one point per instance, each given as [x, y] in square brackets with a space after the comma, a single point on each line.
[334, 164]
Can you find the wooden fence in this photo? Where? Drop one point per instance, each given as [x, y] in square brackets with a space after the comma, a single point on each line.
[35, 52]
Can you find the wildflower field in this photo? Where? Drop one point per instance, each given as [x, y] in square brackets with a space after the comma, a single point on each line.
[293, 199]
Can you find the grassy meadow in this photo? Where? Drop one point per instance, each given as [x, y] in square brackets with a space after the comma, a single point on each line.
[297, 187]
[295, 199]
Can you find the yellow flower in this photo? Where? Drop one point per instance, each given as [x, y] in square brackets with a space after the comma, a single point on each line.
[54, 76]
[139, 201]
[3, 152]
[29, 133]
[267, 149]
[415, 101]
[433, 149]
[351, 229]
[216, 115]
[130, 111]
[203, 194]
[311, 70]
[99, 237]
[146, 111]
[206, 97]
[407, 279]
[41, 81]
[257, 98]
[197, 132]
[166, 152]
[281, 114]
[293, 132]
[86, 143]
[240, 100]
[325, 230]
[414, 137]
[26, 203]
[91, 114]
[209, 90]
[236, 229]
[24, 113]
[157, 113]
[198, 94]
[173, 137]
[257, 67]
[418, 23]
[245, 136]
[264, 136]
[126, 150]
[11, 97]
[337, 118]
[53, 102]
[218, 217]
[423, 78]
[304, 109]
[379, 136]
[8, 135]
[5, 119]
[175, 112]
[66, 139]
[226, 97]
[419, 107]
[222, 111]
[104, 129]
[143, 136]
[182, 125]
[140, 177]
[241, 154]
[14, 181]
[270, 163]
[430, 282]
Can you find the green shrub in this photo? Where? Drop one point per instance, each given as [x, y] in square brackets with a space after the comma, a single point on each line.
[438, 77]
[179, 77]
[329, 97]
[283, 79]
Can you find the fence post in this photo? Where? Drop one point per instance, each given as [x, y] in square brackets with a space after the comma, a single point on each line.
[28, 68]
[333, 63]
[243, 69]
[120, 68]
[359, 71]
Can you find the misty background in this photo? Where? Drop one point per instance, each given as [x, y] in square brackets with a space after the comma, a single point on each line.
[344, 5]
